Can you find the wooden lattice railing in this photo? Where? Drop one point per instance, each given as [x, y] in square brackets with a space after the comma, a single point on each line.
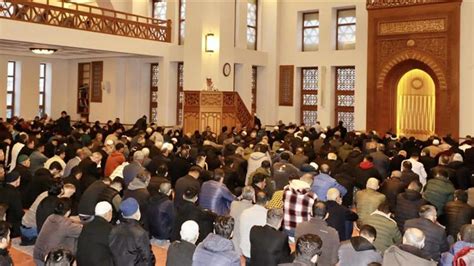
[85, 17]
[237, 106]
[372, 4]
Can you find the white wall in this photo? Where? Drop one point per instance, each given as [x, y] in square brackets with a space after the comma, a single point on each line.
[466, 126]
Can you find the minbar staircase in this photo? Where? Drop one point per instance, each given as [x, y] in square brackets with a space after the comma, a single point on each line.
[214, 109]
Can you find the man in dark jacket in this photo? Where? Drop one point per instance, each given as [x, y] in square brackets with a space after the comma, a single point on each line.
[407, 173]
[435, 242]
[90, 171]
[408, 204]
[5, 258]
[410, 252]
[340, 217]
[137, 189]
[180, 164]
[180, 252]
[381, 161]
[391, 187]
[161, 213]
[93, 243]
[23, 168]
[188, 181]
[41, 182]
[462, 177]
[359, 250]
[439, 190]
[458, 213]
[189, 211]
[128, 241]
[268, 245]
[10, 195]
[366, 170]
[90, 198]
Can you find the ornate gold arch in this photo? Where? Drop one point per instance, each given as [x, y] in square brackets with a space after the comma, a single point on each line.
[416, 55]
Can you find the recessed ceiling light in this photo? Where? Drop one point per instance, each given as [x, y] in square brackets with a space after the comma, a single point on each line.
[43, 51]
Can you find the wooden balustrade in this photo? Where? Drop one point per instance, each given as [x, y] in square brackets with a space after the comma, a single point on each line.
[372, 4]
[85, 17]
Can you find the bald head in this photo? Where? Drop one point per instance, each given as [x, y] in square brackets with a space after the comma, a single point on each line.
[324, 168]
[414, 237]
[372, 183]
[333, 194]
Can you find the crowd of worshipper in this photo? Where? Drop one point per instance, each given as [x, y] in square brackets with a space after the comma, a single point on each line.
[95, 194]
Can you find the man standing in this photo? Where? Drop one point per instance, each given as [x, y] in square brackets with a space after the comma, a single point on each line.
[186, 182]
[369, 199]
[10, 195]
[340, 217]
[298, 201]
[323, 182]
[255, 215]
[269, 246]
[180, 252]
[318, 226]
[417, 167]
[237, 208]
[161, 214]
[215, 196]
[93, 244]
[128, 241]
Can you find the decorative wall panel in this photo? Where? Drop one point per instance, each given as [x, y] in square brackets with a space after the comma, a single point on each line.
[286, 85]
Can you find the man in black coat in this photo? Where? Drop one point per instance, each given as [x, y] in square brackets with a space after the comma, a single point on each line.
[180, 164]
[128, 241]
[10, 195]
[161, 213]
[90, 198]
[93, 243]
[435, 241]
[90, 172]
[23, 168]
[188, 210]
[407, 173]
[391, 188]
[268, 245]
[408, 204]
[340, 217]
[366, 170]
[188, 181]
[458, 213]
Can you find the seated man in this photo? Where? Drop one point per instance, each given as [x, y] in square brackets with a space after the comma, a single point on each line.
[410, 252]
[93, 243]
[387, 230]
[268, 245]
[161, 214]
[435, 235]
[369, 199]
[323, 182]
[308, 250]
[318, 226]
[359, 250]
[340, 217]
[217, 249]
[465, 240]
[215, 195]
[128, 241]
[180, 252]
[58, 231]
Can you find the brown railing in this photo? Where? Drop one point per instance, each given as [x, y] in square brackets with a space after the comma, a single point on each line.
[234, 104]
[372, 4]
[85, 17]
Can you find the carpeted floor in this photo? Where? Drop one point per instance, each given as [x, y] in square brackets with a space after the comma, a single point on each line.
[22, 256]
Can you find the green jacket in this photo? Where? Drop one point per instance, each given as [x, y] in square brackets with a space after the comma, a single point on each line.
[367, 201]
[387, 230]
[439, 191]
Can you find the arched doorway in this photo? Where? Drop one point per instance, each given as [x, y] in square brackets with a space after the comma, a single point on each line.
[416, 104]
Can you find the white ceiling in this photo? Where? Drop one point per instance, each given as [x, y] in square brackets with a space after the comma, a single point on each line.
[8, 47]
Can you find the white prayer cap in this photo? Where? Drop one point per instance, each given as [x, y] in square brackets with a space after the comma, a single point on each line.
[332, 156]
[109, 142]
[314, 165]
[436, 142]
[149, 130]
[276, 128]
[189, 231]
[102, 208]
[323, 136]
[167, 146]
[457, 157]
[305, 139]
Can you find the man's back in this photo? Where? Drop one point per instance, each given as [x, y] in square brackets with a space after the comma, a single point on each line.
[236, 209]
[93, 244]
[182, 184]
[217, 251]
[180, 253]
[408, 204]
[216, 197]
[255, 215]
[130, 244]
[387, 230]
[328, 235]
[458, 213]
[439, 191]
[358, 251]
[435, 236]
[367, 201]
[268, 246]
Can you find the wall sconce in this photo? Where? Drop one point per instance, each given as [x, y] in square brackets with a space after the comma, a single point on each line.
[211, 43]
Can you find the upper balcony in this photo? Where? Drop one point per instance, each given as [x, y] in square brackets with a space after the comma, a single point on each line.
[374, 4]
[87, 18]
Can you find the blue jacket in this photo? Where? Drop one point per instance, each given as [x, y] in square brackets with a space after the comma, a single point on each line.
[161, 216]
[216, 251]
[216, 197]
[448, 257]
[322, 183]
